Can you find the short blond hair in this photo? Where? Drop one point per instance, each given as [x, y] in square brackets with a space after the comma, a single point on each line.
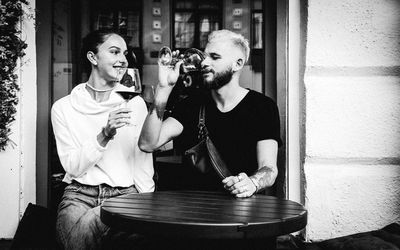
[236, 39]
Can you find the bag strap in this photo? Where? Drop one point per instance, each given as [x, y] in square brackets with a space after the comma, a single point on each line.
[216, 160]
[202, 123]
[202, 115]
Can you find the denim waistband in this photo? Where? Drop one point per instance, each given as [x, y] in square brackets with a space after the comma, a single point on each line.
[103, 184]
[102, 191]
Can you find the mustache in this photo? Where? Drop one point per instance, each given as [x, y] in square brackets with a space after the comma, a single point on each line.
[207, 70]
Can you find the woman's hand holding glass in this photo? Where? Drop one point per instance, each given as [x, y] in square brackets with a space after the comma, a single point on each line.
[117, 119]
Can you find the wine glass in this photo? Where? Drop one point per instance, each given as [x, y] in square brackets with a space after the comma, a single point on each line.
[165, 56]
[191, 58]
[131, 85]
[137, 82]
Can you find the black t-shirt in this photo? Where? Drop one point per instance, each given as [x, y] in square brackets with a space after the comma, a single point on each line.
[235, 133]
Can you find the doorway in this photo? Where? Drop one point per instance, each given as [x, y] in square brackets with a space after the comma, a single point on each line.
[63, 23]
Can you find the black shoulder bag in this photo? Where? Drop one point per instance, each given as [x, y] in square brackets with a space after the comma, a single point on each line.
[204, 156]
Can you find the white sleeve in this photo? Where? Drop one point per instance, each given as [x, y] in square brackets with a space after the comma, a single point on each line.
[140, 111]
[76, 160]
[143, 162]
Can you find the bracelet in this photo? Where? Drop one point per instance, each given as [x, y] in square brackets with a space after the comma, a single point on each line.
[255, 182]
[109, 137]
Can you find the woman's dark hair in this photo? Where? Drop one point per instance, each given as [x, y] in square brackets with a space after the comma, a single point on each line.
[91, 42]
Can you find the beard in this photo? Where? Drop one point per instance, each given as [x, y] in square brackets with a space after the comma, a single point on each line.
[220, 79]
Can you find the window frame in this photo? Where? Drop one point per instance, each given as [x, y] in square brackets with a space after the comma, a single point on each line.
[98, 5]
[218, 12]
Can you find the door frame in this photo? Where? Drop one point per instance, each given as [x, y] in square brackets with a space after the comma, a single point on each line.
[289, 46]
[44, 50]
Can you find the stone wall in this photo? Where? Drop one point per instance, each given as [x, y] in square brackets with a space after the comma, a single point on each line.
[352, 116]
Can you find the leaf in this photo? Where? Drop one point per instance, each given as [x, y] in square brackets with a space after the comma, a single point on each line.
[11, 48]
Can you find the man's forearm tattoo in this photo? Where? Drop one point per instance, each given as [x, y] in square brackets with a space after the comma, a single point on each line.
[264, 177]
[159, 109]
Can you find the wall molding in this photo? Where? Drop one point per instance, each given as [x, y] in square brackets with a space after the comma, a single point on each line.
[355, 160]
[353, 71]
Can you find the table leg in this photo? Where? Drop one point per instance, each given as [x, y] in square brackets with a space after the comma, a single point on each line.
[264, 244]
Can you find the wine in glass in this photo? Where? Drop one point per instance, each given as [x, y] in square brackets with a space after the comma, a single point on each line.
[192, 59]
[131, 85]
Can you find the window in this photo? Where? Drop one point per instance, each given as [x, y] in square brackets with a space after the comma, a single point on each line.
[193, 21]
[257, 24]
[125, 19]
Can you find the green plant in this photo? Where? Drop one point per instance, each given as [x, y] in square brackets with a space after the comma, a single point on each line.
[11, 48]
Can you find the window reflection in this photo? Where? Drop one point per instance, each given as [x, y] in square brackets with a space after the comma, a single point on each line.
[207, 25]
[194, 20]
[104, 20]
[126, 22]
[257, 25]
[257, 4]
[188, 4]
[184, 30]
[257, 31]
[208, 4]
[133, 28]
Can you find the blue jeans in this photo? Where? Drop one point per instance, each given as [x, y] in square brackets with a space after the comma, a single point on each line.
[78, 220]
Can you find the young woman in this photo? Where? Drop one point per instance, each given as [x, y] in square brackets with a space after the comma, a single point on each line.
[96, 134]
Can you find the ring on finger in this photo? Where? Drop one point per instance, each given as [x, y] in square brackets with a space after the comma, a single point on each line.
[239, 177]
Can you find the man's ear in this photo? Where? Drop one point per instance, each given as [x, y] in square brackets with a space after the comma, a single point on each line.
[238, 65]
[91, 57]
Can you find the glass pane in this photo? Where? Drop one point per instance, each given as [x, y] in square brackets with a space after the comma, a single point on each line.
[104, 20]
[209, 4]
[208, 24]
[257, 31]
[184, 30]
[184, 4]
[257, 5]
[123, 22]
[133, 29]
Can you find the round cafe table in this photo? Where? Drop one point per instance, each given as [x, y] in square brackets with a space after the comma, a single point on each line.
[203, 215]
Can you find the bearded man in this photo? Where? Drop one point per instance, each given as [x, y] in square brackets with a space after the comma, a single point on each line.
[243, 124]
